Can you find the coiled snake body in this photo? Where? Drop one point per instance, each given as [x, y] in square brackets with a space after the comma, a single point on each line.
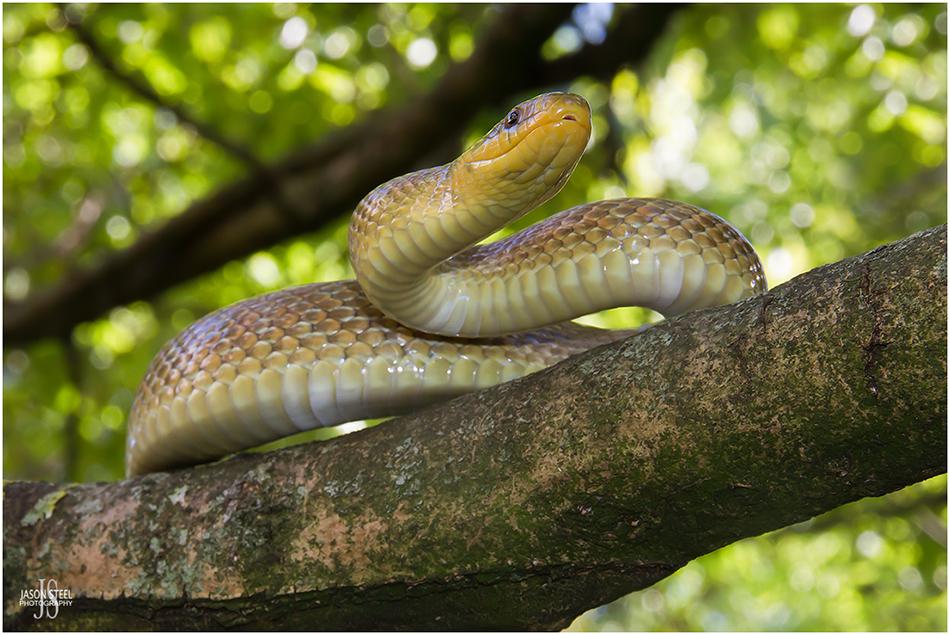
[401, 335]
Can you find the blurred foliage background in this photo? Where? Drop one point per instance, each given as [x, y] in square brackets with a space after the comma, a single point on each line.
[819, 130]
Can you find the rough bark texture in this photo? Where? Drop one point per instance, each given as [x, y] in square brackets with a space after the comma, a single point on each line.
[523, 505]
[322, 182]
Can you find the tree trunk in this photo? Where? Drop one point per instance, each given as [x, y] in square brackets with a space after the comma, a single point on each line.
[521, 506]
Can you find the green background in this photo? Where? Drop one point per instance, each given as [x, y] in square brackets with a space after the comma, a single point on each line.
[819, 130]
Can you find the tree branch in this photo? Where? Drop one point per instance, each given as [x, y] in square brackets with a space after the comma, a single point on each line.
[521, 506]
[326, 180]
[140, 86]
[629, 41]
[69, 242]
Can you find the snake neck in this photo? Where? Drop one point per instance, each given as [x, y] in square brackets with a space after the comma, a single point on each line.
[411, 238]
[404, 232]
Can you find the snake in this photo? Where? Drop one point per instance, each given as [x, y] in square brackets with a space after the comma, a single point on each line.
[433, 312]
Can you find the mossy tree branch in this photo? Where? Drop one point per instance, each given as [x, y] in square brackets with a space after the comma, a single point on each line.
[523, 505]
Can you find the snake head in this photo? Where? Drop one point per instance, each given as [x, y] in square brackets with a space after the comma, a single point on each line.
[528, 156]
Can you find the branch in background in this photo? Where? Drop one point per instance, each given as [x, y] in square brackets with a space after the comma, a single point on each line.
[629, 41]
[68, 243]
[926, 183]
[326, 180]
[932, 525]
[71, 438]
[521, 506]
[614, 146]
[140, 86]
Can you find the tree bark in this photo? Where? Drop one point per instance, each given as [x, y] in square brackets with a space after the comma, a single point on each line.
[321, 183]
[521, 506]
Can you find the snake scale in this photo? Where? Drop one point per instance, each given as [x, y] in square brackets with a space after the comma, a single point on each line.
[432, 314]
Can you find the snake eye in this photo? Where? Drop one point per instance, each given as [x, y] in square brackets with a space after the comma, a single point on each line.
[513, 117]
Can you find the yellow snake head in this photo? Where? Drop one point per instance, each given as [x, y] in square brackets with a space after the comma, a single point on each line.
[529, 155]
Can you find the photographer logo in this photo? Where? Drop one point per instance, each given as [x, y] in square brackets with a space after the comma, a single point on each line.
[47, 597]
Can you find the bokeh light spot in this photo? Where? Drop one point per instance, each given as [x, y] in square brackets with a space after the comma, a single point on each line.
[421, 52]
[293, 33]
